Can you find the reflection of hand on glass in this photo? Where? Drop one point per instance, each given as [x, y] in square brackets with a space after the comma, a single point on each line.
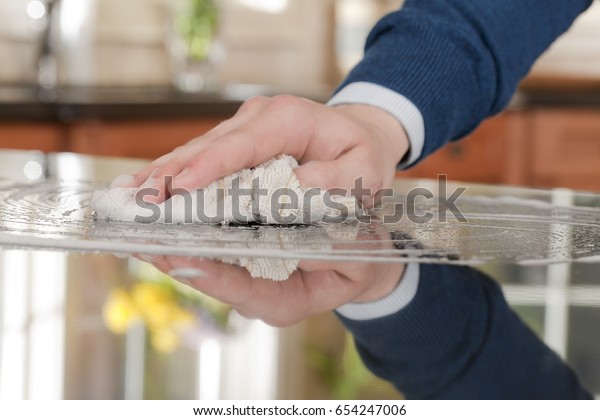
[314, 288]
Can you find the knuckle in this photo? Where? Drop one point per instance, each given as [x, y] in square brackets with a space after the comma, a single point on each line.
[253, 103]
[181, 149]
[286, 102]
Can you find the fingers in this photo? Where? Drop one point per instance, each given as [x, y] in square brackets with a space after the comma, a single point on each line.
[277, 303]
[228, 283]
[159, 175]
[303, 295]
[158, 261]
[342, 174]
[323, 287]
[251, 297]
[173, 163]
[356, 271]
[276, 130]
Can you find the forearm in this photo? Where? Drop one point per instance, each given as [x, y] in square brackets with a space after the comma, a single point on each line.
[456, 61]
[457, 338]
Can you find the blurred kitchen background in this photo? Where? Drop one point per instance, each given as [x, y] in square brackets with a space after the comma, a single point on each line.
[281, 44]
[137, 78]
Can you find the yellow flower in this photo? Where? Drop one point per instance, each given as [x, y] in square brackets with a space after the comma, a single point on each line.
[155, 305]
[155, 302]
[149, 295]
[164, 340]
[183, 317]
[119, 311]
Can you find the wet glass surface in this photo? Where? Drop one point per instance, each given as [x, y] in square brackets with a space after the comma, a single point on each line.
[529, 227]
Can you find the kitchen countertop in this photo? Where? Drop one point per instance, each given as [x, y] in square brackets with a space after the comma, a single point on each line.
[67, 104]
[531, 99]
[27, 103]
[558, 91]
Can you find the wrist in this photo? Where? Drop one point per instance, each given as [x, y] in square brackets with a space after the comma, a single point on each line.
[397, 300]
[384, 127]
[383, 285]
[399, 106]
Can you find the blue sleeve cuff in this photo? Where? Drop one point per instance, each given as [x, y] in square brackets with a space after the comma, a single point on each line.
[366, 93]
[399, 298]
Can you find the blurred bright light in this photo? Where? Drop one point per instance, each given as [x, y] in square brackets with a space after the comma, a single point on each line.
[36, 9]
[268, 6]
[72, 16]
[33, 170]
[209, 370]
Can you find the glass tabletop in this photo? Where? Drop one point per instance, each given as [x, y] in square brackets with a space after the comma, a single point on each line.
[46, 206]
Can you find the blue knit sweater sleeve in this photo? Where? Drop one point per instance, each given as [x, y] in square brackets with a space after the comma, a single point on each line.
[460, 61]
[458, 339]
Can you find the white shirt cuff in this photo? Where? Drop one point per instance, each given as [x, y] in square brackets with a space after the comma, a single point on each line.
[404, 110]
[399, 298]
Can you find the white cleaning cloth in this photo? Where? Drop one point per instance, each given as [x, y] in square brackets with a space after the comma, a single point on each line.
[269, 193]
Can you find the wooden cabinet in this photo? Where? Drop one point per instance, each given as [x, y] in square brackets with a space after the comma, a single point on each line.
[491, 154]
[47, 137]
[136, 139]
[140, 139]
[544, 147]
[538, 147]
[566, 149]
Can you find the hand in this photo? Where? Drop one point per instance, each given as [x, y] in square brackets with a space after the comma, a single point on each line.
[334, 145]
[316, 287]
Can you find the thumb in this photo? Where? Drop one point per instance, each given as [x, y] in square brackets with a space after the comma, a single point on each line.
[343, 176]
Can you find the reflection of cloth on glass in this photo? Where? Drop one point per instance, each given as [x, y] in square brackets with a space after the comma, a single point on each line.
[459, 339]
[455, 62]
[280, 269]
[276, 269]
[269, 193]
